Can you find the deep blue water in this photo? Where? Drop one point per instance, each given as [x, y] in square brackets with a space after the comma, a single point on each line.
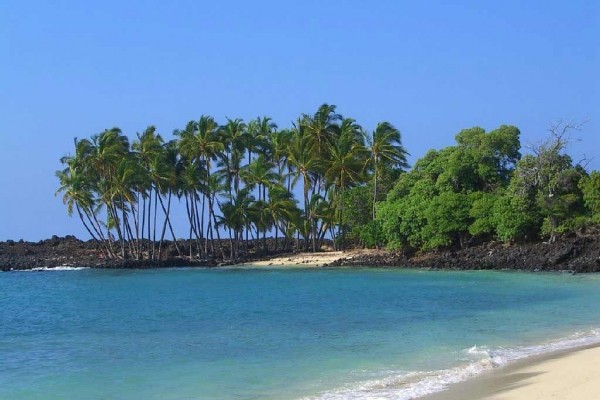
[275, 333]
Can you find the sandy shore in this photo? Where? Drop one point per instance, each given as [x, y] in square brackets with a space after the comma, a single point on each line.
[306, 259]
[567, 375]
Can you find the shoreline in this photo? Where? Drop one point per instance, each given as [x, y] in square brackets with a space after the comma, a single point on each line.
[573, 254]
[561, 374]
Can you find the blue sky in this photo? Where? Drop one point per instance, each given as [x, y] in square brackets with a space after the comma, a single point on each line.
[68, 69]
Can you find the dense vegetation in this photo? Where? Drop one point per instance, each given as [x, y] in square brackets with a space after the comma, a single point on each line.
[483, 189]
[235, 179]
[236, 182]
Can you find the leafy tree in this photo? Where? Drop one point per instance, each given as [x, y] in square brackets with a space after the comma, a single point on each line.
[484, 223]
[549, 176]
[590, 186]
[516, 217]
[449, 194]
[358, 210]
[448, 220]
[372, 235]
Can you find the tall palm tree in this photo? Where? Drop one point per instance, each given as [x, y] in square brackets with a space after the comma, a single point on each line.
[192, 181]
[303, 162]
[258, 137]
[78, 193]
[386, 149]
[259, 173]
[346, 164]
[200, 143]
[280, 143]
[235, 134]
[148, 148]
[84, 183]
[170, 167]
[321, 128]
[109, 149]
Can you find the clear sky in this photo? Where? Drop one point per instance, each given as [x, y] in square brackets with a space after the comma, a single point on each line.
[71, 69]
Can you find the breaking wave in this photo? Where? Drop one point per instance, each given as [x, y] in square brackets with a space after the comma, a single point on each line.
[415, 384]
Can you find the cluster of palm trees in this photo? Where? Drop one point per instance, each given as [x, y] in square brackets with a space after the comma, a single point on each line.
[236, 182]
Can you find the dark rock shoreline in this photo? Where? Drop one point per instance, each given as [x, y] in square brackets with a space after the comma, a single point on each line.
[69, 251]
[575, 254]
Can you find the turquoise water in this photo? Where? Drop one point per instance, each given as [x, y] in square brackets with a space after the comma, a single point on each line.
[277, 334]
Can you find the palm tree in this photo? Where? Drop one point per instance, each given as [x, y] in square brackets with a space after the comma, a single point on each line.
[321, 129]
[346, 164]
[235, 217]
[280, 143]
[148, 148]
[259, 173]
[235, 134]
[282, 208]
[303, 162]
[170, 165]
[201, 144]
[109, 149]
[386, 149]
[78, 193]
[319, 209]
[258, 137]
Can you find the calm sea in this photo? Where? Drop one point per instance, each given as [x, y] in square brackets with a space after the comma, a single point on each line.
[277, 334]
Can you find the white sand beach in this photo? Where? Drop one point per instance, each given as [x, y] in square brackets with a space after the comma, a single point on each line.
[567, 375]
[306, 259]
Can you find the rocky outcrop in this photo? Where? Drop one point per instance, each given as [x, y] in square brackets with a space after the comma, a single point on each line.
[577, 254]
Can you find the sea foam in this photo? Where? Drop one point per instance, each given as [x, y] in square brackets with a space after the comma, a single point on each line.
[59, 268]
[415, 384]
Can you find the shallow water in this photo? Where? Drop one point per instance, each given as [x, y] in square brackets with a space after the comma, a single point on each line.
[279, 334]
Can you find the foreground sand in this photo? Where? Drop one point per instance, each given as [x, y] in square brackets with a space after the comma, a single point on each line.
[306, 259]
[571, 375]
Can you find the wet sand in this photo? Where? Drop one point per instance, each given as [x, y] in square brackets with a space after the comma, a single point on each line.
[563, 375]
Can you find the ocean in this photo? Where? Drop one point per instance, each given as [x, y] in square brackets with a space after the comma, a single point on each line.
[359, 333]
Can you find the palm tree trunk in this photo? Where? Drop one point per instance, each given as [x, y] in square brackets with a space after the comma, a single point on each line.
[165, 223]
[342, 228]
[170, 225]
[98, 228]
[149, 219]
[85, 225]
[218, 234]
[190, 219]
[136, 220]
[198, 224]
[202, 224]
[231, 245]
[117, 222]
[314, 234]
[143, 227]
[130, 241]
[374, 190]
[123, 229]
[154, 223]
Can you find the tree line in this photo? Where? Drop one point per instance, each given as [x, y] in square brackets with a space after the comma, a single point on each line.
[482, 189]
[235, 181]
